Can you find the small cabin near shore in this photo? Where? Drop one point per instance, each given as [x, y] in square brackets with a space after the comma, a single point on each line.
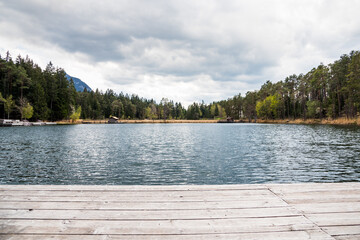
[229, 120]
[113, 119]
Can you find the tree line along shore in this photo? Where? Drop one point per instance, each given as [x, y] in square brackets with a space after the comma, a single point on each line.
[310, 121]
[326, 94]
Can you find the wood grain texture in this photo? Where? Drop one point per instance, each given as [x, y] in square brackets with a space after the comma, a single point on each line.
[261, 211]
[294, 235]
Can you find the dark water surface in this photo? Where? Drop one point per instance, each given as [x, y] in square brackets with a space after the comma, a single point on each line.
[179, 154]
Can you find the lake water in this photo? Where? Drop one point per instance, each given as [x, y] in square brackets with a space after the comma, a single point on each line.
[179, 154]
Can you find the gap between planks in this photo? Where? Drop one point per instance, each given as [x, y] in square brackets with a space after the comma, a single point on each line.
[341, 221]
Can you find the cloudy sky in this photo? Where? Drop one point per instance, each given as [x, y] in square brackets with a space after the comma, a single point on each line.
[184, 50]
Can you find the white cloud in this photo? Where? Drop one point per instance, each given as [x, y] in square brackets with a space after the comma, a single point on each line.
[182, 89]
[183, 50]
[166, 56]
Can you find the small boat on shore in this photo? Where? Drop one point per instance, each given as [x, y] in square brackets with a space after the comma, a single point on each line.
[38, 123]
[13, 123]
[26, 123]
[6, 122]
[17, 123]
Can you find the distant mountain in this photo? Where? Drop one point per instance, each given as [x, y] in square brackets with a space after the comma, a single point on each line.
[79, 85]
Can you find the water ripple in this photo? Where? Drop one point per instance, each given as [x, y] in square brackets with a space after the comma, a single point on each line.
[179, 154]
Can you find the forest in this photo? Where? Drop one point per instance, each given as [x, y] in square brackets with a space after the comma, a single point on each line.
[326, 91]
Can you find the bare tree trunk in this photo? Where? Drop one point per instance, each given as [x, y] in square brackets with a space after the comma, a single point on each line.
[339, 102]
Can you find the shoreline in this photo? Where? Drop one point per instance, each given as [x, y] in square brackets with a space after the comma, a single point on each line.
[338, 121]
[65, 122]
[324, 121]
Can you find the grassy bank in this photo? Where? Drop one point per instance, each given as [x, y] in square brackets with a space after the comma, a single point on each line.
[85, 121]
[169, 121]
[338, 121]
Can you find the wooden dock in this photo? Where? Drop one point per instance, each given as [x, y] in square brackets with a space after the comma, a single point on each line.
[266, 211]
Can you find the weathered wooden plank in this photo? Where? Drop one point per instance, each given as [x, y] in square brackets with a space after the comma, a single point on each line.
[329, 192]
[308, 208]
[181, 212]
[149, 214]
[154, 198]
[335, 219]
[342, 230]
[323, 200]
[291, 235]
[348, 237]
[143, 196]
[157, 227]
[133, 188]
[119, 194]
[321, 196]
[143, 205]
[313, 187]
